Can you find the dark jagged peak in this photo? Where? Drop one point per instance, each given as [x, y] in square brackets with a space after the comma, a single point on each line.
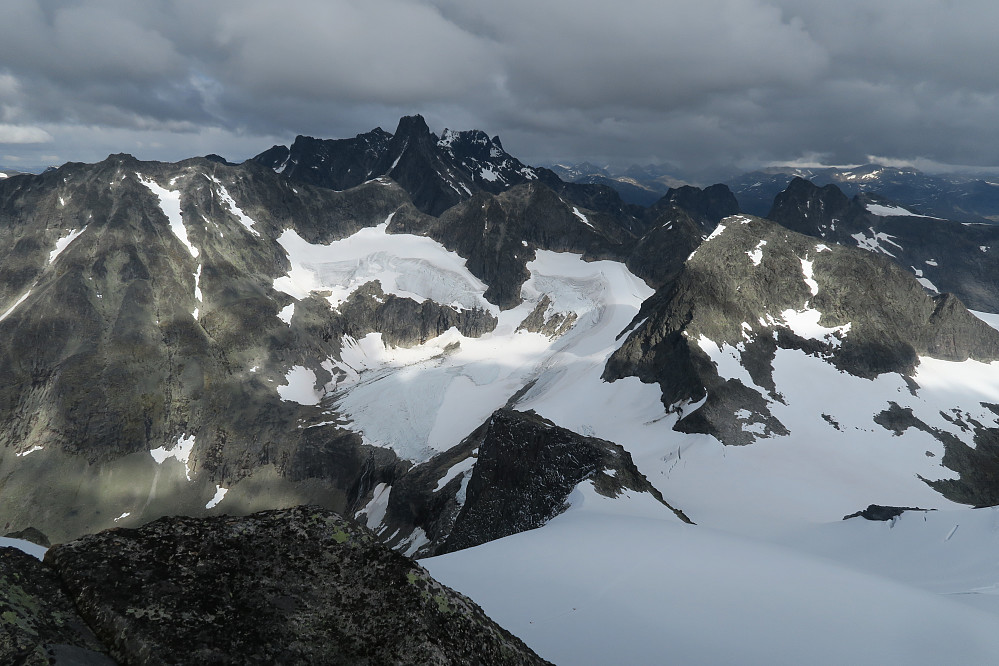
[660, 253]
[274, 157]
[709, 205]
[492, 168]
[590, 195]
[413, 160]
[513, 473]
[337, 164]
[412, 128]
[674, 226]
[219, 159]
[809, 209]
[436, 172]
[755, 287]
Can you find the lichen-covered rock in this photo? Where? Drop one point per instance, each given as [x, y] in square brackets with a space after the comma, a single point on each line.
[38, 624]
[293, 586]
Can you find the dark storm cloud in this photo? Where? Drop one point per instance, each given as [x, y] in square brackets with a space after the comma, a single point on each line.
[729, 83]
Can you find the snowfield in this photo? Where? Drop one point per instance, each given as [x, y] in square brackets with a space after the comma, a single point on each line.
[610, 582]
[408, 266]
[771, 573]
[463, 380]
[422, 400]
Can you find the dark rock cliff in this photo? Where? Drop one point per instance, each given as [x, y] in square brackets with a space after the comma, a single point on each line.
[517, 471]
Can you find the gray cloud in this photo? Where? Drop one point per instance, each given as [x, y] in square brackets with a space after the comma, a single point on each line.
[724, 83]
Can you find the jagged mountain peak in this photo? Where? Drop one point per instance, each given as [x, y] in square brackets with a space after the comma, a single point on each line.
[437, 172]
[414, 126]
[710, 204]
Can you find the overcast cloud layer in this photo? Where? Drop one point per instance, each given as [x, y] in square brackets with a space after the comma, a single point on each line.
[716, 83]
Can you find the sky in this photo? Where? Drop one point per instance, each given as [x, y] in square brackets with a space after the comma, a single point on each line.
[712, 85]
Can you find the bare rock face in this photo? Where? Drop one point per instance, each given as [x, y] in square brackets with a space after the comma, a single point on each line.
[724, 295]
[954, 257]
[38, 624]
[292, 586]
[513, 473]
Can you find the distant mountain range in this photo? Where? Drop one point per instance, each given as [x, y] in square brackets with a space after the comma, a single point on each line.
[479, 360]
[958, 197]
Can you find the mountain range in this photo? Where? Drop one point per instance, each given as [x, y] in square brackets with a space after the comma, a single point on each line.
[576, 408]
[958, 196]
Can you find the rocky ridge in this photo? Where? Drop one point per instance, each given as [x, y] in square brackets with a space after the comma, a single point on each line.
[947, 256]
[515, 472]
[737, 292]
[300, 585]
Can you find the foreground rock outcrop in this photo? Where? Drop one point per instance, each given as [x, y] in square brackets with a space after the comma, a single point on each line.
[38, 624]
[293, 586]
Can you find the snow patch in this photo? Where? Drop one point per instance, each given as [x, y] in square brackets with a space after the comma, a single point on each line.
[64, 242]
[181, 451]
[808, 272]
[197, 288]
[805, 323]
[219, 494]
[11, 309]
[300, 386]
[375, 509]
[927, 284]
[25, 546]
[28, 451]
[461, 467]
[170, 205]
[873, 242]
[727, 360]
[405, 265]
[719, 230]
[229, 202]
[287, 312]
[897, 211]
[756, 254]
[416, 540]
[989, 318]
[583, 219]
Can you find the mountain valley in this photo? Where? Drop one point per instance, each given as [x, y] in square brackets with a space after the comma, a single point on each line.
[621, 426]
